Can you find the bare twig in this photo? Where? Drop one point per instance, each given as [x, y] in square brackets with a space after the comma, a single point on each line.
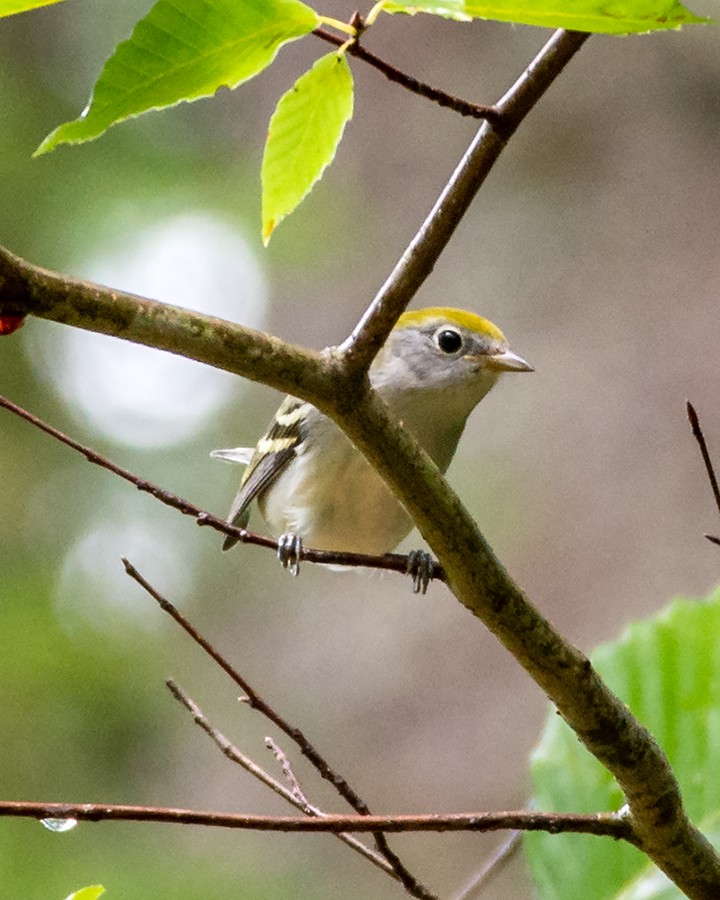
[255, 701]
[237, 756]
[491, 867]
[388, 562]
[252, 697]
[601, 824]
[709, 468]
[287, 769]
[441, 98]
[417, 262]
[233, 753]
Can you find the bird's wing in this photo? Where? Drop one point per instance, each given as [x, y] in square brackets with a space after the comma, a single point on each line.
[241, 455]
[272, 454]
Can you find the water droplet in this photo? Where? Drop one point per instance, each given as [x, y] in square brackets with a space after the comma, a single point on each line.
[59, 825]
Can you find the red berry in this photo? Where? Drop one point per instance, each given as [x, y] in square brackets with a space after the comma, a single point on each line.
[9, 323]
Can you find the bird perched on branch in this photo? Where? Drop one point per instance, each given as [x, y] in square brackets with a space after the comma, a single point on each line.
[309, 481]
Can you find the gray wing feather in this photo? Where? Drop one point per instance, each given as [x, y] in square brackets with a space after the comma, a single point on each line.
[287, 429]
[261, 476]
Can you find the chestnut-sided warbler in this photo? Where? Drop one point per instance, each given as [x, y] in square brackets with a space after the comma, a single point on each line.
[311, 483]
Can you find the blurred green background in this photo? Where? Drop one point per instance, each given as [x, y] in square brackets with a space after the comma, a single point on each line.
[594, 246]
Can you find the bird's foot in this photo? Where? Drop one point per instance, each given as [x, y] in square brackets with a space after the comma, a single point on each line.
[289, 549]
[420, 566]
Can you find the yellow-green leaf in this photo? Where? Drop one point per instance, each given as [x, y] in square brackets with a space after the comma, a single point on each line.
[87, 893]
[10, 7]
[448, 9]
[613, 17]
[183, 50]
[304, 133]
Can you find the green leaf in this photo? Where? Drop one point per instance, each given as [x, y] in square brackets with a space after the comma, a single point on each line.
[11, 7]
[667, 669]
[303, 135]
[448, 9]
[613, 17]
[87, 893]
[183, 50]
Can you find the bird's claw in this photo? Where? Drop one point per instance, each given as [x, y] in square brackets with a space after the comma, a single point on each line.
[289, 549]
[420, 566]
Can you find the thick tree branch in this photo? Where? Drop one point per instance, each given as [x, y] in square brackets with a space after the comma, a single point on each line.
[601, 824]
[28, 289]
[481, 583]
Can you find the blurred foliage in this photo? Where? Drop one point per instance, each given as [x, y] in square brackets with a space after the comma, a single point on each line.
[667, 670]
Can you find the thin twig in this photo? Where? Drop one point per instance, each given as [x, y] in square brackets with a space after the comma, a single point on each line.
[287, 769]
[441, 98]
[237, 756]
[252, 697]
[600, 824]
[491, 867]
[700, 438]
[389, 562]
[709, 468]
[417, 262]
[254, 700]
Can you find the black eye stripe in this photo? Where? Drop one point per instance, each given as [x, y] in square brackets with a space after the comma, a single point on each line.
[448, 340]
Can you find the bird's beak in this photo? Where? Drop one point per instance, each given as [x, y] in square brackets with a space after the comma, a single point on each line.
[507, 361]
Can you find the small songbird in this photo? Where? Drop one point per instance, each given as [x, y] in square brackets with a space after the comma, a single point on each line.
[311, 483]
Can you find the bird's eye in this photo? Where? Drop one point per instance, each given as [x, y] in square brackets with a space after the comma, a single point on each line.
[448, 340]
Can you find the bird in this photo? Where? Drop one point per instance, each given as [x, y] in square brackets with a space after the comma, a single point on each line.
[314, 487]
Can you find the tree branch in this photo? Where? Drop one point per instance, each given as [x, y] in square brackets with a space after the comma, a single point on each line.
[418, 261]
[252, 697]
[441, 98]
[704, 452]
[255, 701]
[232, 753]
[491, 867]
[388, 562]
[600, 824]
[28, 289]
[480, 582]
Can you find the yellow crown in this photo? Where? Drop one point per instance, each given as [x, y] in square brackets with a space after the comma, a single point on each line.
[438, 315]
